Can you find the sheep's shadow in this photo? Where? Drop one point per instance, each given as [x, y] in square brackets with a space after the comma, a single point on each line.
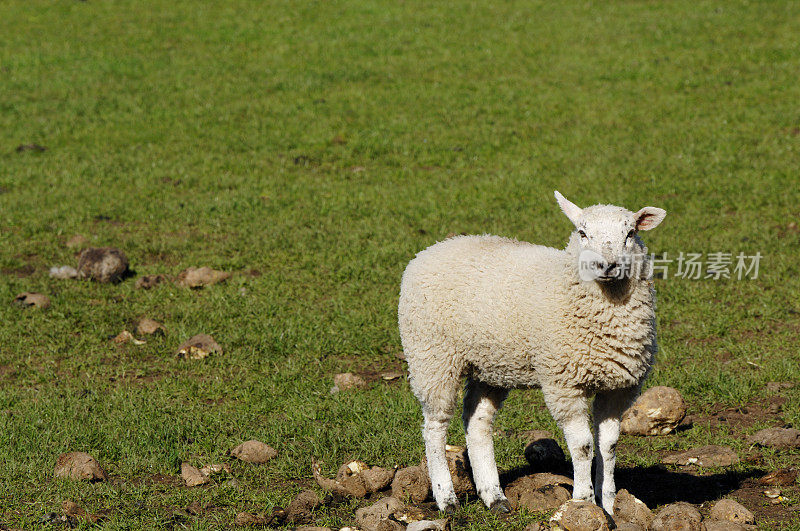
[657, 485]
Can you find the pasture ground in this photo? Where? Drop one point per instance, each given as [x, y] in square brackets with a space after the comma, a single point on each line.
[311, 148]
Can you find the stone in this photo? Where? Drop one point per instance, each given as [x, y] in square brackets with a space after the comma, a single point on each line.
[429, 525]
[149, 327]
[538, 492]
[679, 516]
[79, 466]
[254, 451]
[705, 456]
[458, 463]
[657, 412]
[576, 515]
[149, 281]
[776, 438]
[102, 264]
[731, 511]
[198, 347]
[63, 272]
[30, 299]
[192, 475]
[301, 508]
[370, 518]
[412, 484]
[782, 477]
[629, 508]
[198, 277]
[347, 380]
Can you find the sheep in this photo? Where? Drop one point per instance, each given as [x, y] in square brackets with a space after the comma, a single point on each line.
[577, 323]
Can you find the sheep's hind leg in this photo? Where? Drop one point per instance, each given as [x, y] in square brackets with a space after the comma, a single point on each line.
[608, 408]
[438, 411]
[570, 408]
[481, 402]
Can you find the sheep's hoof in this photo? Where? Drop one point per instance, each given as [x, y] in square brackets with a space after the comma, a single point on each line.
[450, 508]
[500, 506]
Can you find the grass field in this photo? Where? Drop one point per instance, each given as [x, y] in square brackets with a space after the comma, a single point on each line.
[311, 148]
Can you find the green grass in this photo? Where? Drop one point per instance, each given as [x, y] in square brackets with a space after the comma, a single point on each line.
[323, 144]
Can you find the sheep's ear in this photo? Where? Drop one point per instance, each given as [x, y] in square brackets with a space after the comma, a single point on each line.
[571, 210]
[649, 218]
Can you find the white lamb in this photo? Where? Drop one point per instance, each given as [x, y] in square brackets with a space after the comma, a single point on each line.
[507, 314]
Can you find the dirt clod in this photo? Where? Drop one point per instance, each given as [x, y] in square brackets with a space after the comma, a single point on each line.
[706, 456]
[30, 299]
[538, 492]
[371, 518]
[347, 380]
[126, 337]
[458, 463]
[199, 347]
[575, 515]
[677, 516]
[301, 508]
[429, 525]
[150, 281]
[149, 327]
[776, 438]
[197, 277]
[254, 451]
[776, 387]
[64, 272]
[629, 508]
[544, 453]
[70, 508]
[731, 511]
[355, 479]
[246, 519]
[192, 476]
[411, 484]
[77, 241]
[717, 525]
[657, 412]
[79, 466]
[102, 264]
[782, 477]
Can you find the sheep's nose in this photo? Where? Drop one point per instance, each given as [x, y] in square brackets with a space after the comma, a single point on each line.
[611, 269]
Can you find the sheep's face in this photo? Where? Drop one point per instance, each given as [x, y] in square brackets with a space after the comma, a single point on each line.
[606, 241]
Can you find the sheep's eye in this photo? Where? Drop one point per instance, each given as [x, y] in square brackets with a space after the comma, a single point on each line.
[582, 234]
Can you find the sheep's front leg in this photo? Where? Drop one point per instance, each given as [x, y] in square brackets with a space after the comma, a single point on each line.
[608, 408]
[481, 402]
[570, 408]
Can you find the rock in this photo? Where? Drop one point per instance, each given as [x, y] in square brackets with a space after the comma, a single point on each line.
[79, 466]
[150, 281]
[149, 327]
[254, 452]
[246, 519]
[576, 515]
[370, 518]
[77, 241]
[429, 525]
[301, 508]
[458, 463]
[102, 264]
[192, 476]
[776, 438]
[776, 387]
[657, 412]
[731, 511]
[544, 452]
[629, 508]
[64, 272]
[198, 347]
[538, 492]
[347, 380]
[28, 299]
[782, 477]
[706, 456]
[127, 337]
[411, 484]
[197, 277]
[677, 517]
[716, 525]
